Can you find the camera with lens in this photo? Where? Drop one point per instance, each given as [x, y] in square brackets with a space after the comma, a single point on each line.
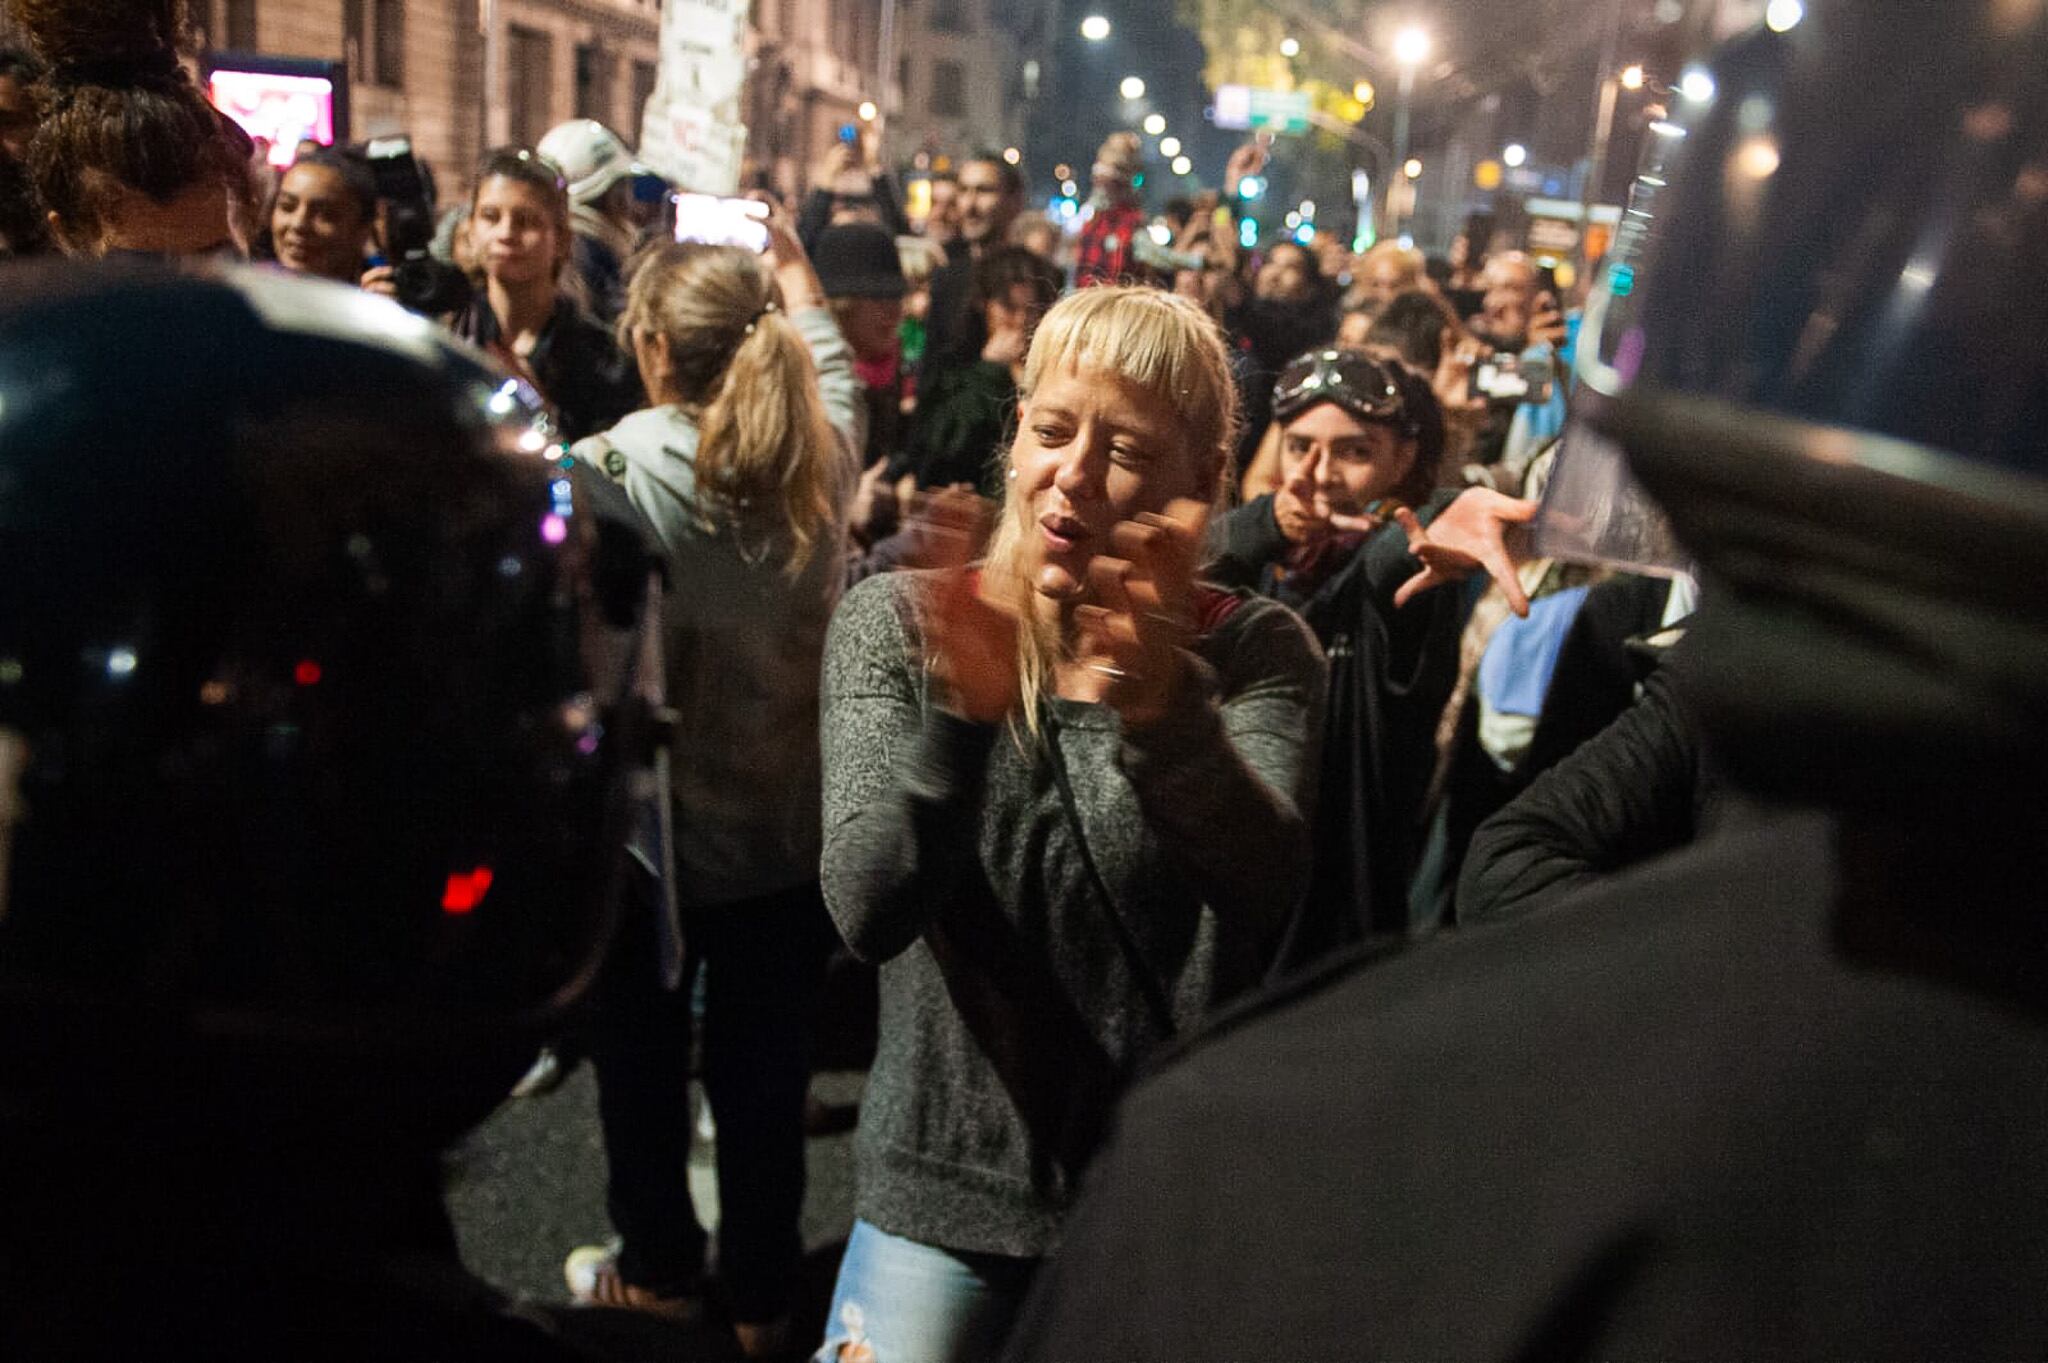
[425, 284]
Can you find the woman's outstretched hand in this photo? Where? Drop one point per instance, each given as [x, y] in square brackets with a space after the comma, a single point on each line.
[1481, 529]
[1141, 611]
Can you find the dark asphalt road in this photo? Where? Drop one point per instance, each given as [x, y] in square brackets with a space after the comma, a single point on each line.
[528, 1187]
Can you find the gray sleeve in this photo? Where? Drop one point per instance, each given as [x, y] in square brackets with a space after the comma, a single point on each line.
[837, 383]
[902, 779]
[1228, 785]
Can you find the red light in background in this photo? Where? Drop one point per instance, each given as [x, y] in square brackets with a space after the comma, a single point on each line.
[307, 673]
[465, 890]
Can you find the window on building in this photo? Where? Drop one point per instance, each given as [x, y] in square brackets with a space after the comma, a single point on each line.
[949, 90]
[373, 39]
[952, 16]
[389, 45]
[530, 95]
[593, 82]
[644, 74]
[241, 25]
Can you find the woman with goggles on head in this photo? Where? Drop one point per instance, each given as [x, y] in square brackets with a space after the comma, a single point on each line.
[1355, 533]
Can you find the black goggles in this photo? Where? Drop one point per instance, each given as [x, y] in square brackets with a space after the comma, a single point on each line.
[1358, 383]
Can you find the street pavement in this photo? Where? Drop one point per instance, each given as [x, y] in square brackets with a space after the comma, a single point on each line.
[528, 1186]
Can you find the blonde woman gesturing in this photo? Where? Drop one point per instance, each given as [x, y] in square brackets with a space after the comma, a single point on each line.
[1065, 799]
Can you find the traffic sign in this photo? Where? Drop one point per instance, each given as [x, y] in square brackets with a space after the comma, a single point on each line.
[1244, 107]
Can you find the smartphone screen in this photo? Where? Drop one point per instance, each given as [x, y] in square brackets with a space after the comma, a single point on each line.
[722, 222]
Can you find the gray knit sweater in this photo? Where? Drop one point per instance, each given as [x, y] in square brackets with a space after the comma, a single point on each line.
[1010, 1009]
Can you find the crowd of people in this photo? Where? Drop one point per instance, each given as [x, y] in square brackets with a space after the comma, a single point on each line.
[1086, 629]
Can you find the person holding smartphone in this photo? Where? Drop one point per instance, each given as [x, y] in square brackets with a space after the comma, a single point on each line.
[745, 466]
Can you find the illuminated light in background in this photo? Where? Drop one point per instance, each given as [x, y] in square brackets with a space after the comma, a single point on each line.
[1155, 124]
[1632, 77]
[10, 671]
[553, 528]
[1290, 47]
[867, 111]
[307, 673]
[1069, 188]
[1305, 233]
[1696, 85]
[1183, 166]
[1405, 242]
[1063, 171]
[1514, 154]
[1782, 16]
[120, 662]
[1411, 46]
[1012, 155]
[1132, 87]
[1069, 209]
[1308, 208]
[1294, 219]
[214, 693]
[532, 441]
[1095, 28]
[1248, 233]
[1160, 233]
[1364, 93]
[1251, 187]
[465, 890]
[1756, 157]
[1413, 170]
[1663, 128]
[1169, 146]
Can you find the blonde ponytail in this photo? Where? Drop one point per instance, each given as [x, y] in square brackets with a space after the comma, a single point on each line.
[765, 447]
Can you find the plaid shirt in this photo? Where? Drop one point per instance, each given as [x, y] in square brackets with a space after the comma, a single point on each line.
[1107, 252]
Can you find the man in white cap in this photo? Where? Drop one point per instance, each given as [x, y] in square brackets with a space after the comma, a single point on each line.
[600, 169]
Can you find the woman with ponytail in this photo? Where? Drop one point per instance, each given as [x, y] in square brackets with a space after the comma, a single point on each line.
[128, 157]
[745, 466]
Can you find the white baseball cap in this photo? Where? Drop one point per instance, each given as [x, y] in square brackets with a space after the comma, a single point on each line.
[591, 157]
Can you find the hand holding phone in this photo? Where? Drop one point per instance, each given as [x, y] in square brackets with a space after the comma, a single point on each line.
[722, 222]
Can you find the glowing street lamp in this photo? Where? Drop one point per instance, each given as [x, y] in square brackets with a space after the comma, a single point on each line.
[1632, 77]
[1182, 165]
[1514, 154]
[1095, 28]
[1155, 124]
[1290, 47]
[1411, 46]
[1412, 168]
[1169, 146]
[1133, 87]
[1696, 85]
[867, 111]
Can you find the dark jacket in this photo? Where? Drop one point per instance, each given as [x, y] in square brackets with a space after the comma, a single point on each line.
[955, 330]
[1270, 332]
[1637, 790]
[1774, 1097]
[577, 365]
[963, 424]
[1391, 673]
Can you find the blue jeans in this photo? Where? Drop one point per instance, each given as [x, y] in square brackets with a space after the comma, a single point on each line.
[914, 1303]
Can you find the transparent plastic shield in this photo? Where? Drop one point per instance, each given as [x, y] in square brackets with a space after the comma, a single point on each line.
[1593, 509]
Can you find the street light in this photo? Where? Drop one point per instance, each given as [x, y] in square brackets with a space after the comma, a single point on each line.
[1155, 124]
[1364, 93]
[1632, 77]
[1514, 154]
[1182, 166]
[1696, 85]
[1095, 28]
[1012, 155]
[1782, 16]
[1169, 146]
[1132, 87]
[867, 111]
[1290, 47]
[1412, 168]
[1411, 49]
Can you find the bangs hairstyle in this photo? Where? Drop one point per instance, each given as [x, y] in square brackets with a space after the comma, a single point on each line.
[1157, 341]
